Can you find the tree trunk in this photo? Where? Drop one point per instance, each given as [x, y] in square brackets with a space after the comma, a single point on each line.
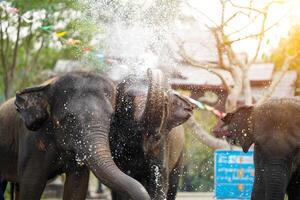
[247, 87]
[8, 86]
[275, 82]
[236, 91]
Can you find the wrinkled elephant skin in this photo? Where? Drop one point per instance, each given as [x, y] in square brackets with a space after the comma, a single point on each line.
[69, 120]
[274, 129]
[144, 138]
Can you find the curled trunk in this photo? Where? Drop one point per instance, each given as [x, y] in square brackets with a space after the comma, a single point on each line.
[157, 101]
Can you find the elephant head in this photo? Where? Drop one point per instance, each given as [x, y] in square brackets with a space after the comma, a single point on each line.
[237, 127]
[76, 109]
[146, 110]
[151, 105]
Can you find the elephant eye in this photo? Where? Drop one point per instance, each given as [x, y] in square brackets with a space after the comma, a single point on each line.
[69, 117]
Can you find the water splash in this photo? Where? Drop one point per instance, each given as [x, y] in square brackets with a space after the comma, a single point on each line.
[134, 33]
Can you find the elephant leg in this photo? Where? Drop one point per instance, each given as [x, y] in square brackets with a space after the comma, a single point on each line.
[294, 192]
[2, 188]
[12, 191]
[76, 185]
[294, 187]
[17, 191]
[258, 190]
[174, 179]
[276, 177]
[33, 176]
[32, 185]
[118, 196]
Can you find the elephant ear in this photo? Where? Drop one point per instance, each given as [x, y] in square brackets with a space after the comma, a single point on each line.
[181, 109]
[32, 104]
[242, 113]
[228, 117]
[238, 126]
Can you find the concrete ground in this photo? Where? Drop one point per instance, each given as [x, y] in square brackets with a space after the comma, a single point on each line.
[180, 196]
[185, 196]
[195, 196]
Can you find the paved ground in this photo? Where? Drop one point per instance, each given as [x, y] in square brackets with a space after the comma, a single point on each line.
[180, 195]
[185, 196]
[194, 196]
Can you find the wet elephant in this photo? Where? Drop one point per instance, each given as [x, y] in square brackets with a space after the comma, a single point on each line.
[142, 139]
[274, 129]
[69, 120]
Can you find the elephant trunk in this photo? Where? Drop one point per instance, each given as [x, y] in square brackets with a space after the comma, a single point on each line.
[156, 110]
[276, 179]
[155, 144]
[102, 165]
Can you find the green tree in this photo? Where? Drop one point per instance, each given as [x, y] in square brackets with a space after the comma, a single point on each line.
[198, 171]
[28, 43]
[289, 47]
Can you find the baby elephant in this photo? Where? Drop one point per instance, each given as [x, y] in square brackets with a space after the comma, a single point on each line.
[274, 129]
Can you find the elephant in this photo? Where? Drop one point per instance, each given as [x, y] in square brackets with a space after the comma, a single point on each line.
[62, 126]
[143, 142]
[274, 129]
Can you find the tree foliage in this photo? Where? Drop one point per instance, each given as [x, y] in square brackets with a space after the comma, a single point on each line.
[227, 35]
[26, 48]
[198, 171]
[288, 46]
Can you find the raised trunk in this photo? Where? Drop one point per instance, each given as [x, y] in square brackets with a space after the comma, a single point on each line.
[156, 109]
[155, 141]
[100, 161]
[276, 179]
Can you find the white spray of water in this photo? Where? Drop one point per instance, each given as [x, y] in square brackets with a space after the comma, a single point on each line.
[134, 33]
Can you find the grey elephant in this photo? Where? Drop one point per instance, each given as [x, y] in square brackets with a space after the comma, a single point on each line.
[59, 127]
[274, 129]
[142, 139]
